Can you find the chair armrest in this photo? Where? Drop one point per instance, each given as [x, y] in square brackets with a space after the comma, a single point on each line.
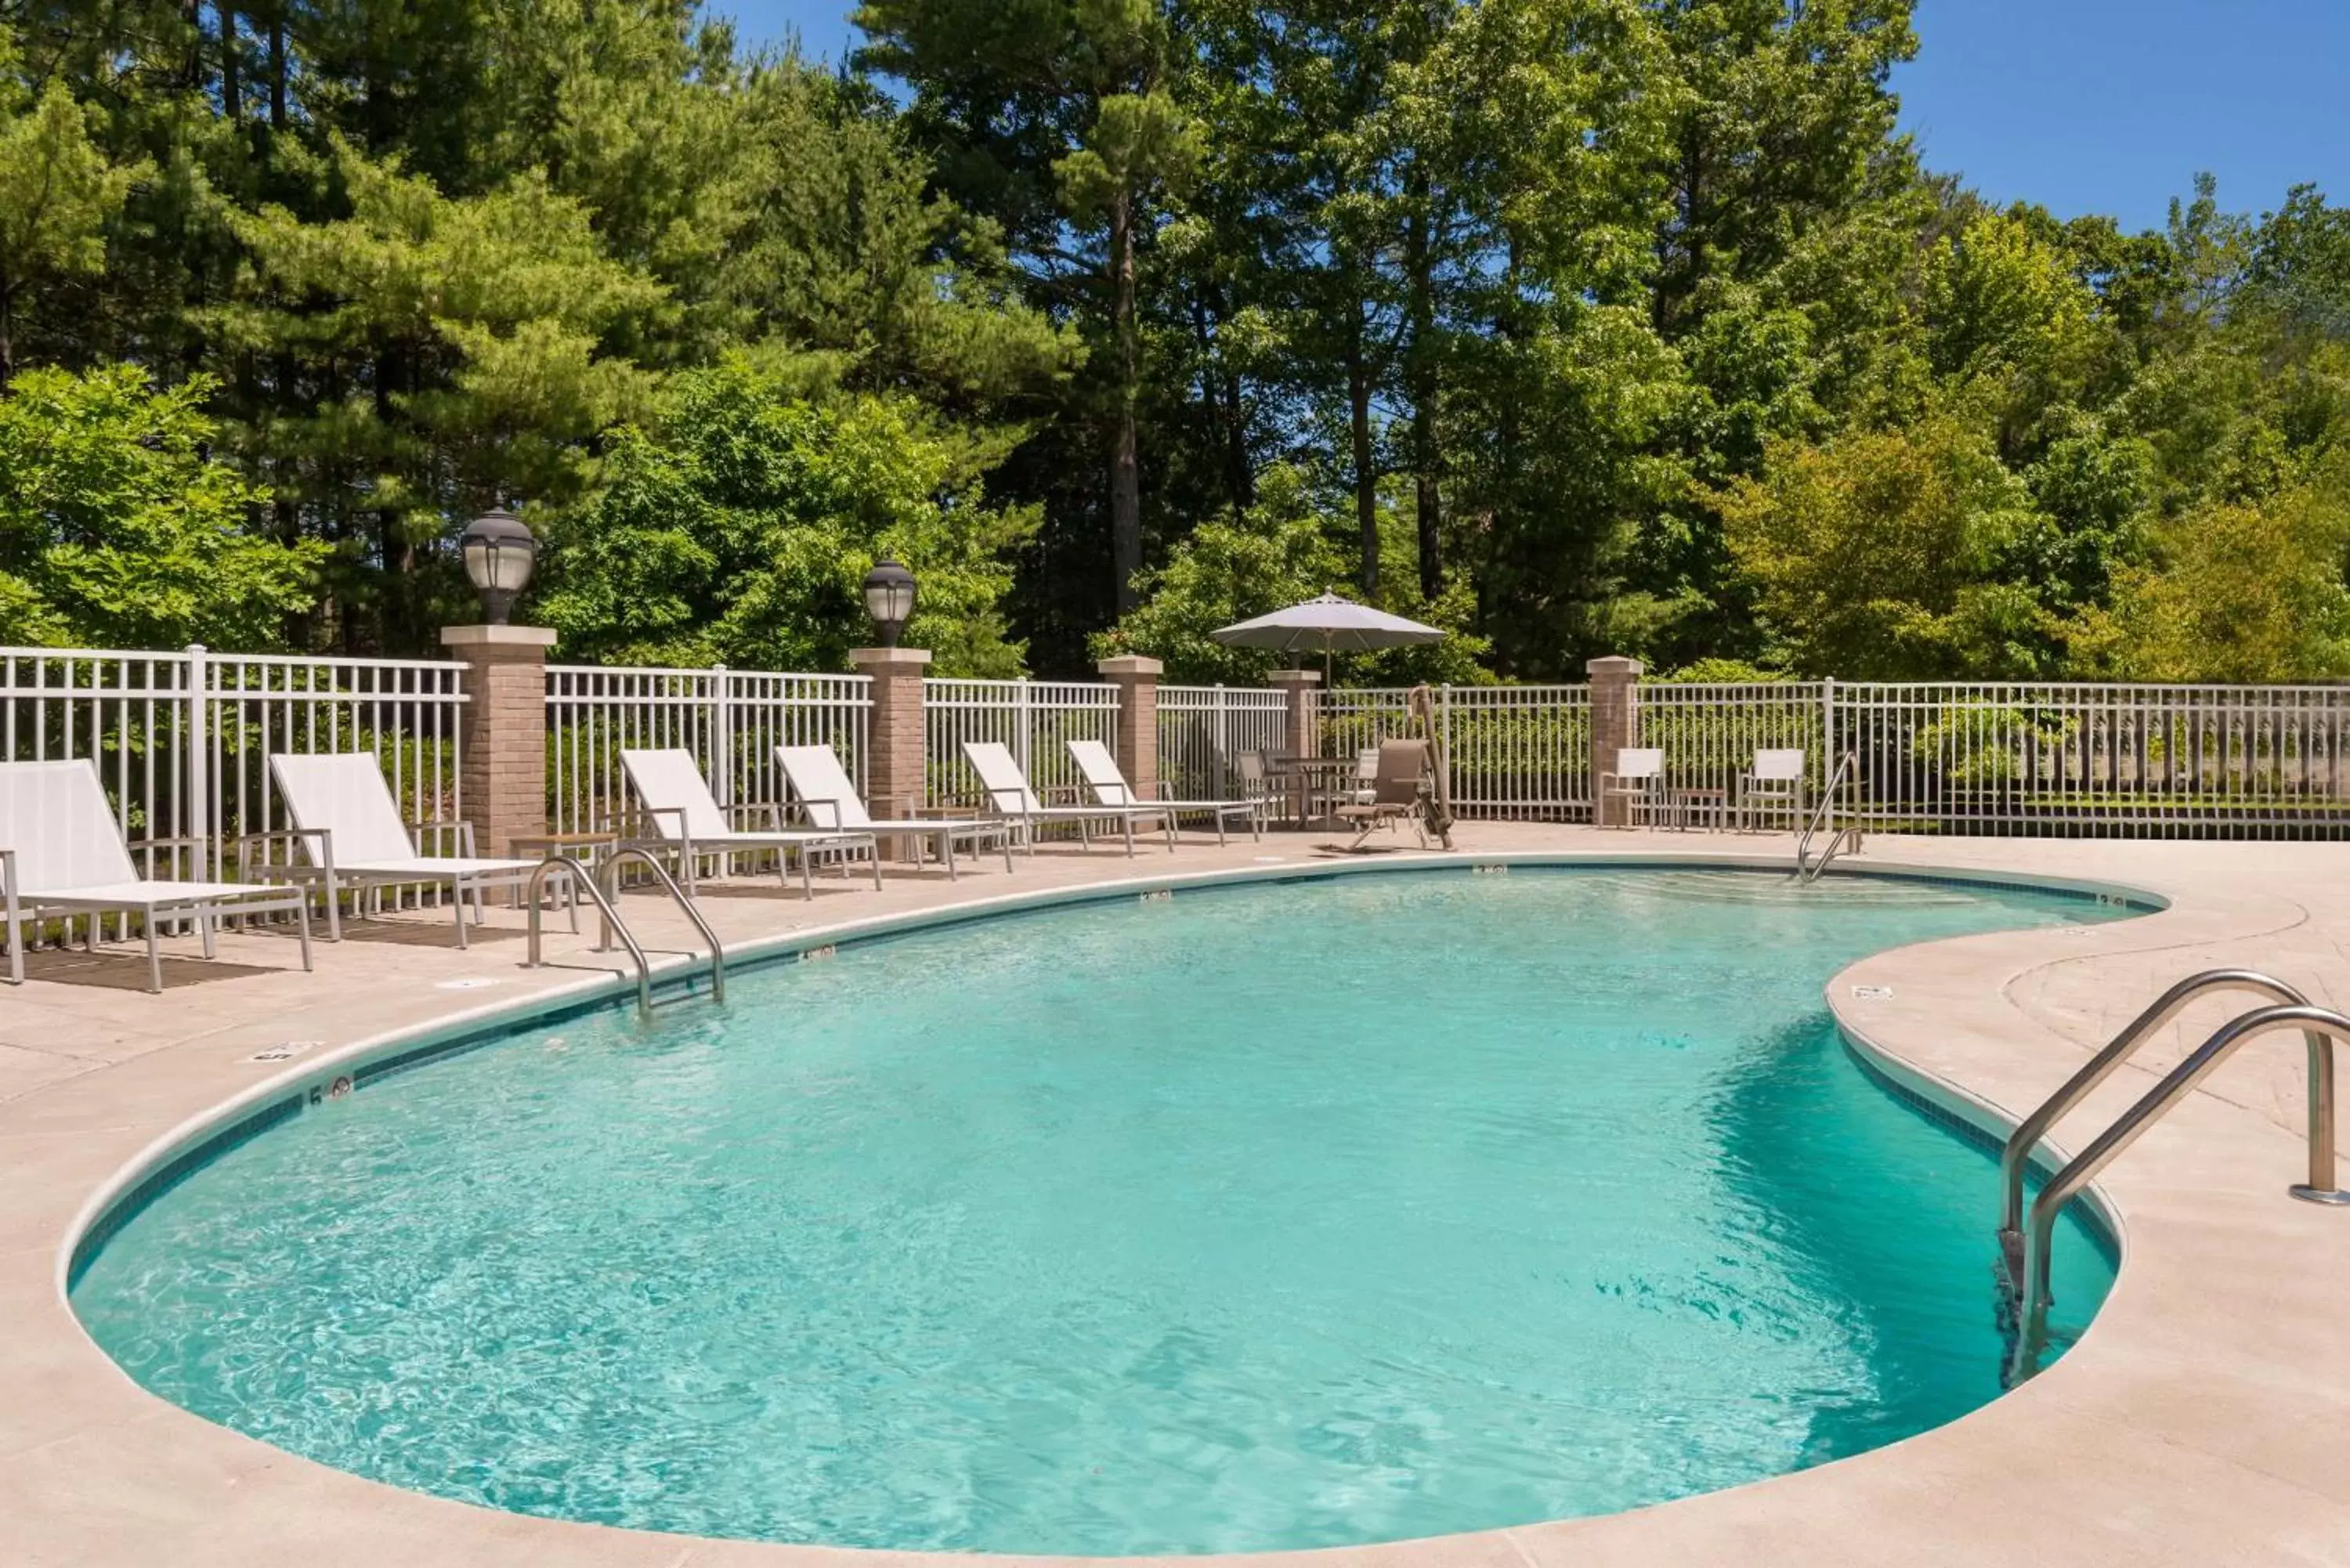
[322, 854]
[747, 815]
[186, 841]
[1062, 794]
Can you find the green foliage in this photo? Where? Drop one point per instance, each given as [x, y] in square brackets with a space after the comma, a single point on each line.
[116, 531]
[1278, 552]
[1878, 555]
[1584, 326]
[738, 528]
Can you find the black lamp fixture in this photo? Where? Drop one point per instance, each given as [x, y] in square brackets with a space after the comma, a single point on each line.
[888, 600]
[499, 553]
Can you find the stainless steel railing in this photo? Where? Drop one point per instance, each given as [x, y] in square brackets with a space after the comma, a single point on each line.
[603, 887]
[2320, 1026]
[2016, 1156]
[1825, 813]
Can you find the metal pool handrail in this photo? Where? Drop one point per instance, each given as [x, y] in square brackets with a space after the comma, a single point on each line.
[603, 887]
[2320, 1026]
[1826, 811]
[2016, 1156]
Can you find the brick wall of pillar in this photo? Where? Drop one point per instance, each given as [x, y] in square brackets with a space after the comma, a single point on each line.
[1615, 724]
[501, 737]
[1137, 680]
[894, 741]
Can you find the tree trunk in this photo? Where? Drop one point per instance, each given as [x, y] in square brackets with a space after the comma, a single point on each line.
[1125, 465]
[1366, 478]
[1426, 459]
[277, 66]
[231, 106]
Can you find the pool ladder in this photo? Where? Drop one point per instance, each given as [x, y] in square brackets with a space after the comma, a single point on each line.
[1839, 838]
[2024, 1242]
[603, 885]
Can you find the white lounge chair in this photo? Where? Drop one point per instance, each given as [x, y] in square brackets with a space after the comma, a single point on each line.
[350, 829]
[1010, 797]
[687, 819]
[1100, 772]
[824, 792]
[1775, 782]
[1638, 780]
[61, 854]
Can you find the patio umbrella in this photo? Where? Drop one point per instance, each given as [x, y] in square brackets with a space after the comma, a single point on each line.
[1330, 624]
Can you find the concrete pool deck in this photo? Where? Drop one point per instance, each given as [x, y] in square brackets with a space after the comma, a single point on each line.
[2195, 1424]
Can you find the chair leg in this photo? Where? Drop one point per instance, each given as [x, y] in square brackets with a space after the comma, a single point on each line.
[154, 957]
[946, 850]
[334, 909]
[302, 922]
[457, 903]
[807, 878]
[874, 851]
[204, 930]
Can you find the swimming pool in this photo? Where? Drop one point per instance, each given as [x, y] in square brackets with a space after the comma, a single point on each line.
[1251, 1217]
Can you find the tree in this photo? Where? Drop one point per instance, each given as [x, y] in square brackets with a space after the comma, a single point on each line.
[1879, 555]
[57, 191]
[116, 531]
[1050, 116]
[738, 526]
[2240, 591]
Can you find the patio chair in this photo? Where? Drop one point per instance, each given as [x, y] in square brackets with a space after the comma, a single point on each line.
[1638, 780]
[1774, 782]
[1100, 772]
[1011, 798]
[1361, 790]
[815, 775]
[1396, 794]
[351, 835]
[61, 854]
[1254, 775]
[688, 819]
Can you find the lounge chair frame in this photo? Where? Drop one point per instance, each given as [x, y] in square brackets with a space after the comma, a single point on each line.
[351, 836]
[831, 801]
[1107, 781]
[81, 849]
[697, 826]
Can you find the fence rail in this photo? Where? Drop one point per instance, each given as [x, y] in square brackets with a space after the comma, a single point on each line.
[182, 739]
[1202, 728]
[730, 719]
[1035, 718]
[2081, 760]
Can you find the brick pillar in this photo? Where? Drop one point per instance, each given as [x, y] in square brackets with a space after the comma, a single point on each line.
[501, 739]
[1137, 680]
[1615, 724]
[1297, 727]
[894, 758]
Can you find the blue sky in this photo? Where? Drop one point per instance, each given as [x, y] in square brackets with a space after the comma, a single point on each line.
[2085, 106]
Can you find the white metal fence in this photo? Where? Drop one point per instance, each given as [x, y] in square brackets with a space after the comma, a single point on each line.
[1035, 718]
[1515, 753]
[2079, 759]
[182, 739]
[730, 719]
[1202, 728]
[1710, 732]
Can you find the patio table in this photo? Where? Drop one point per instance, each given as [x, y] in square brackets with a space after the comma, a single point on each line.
[1302, 776]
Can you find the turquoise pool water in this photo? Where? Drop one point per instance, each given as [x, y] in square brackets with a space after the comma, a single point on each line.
[1295, 1215]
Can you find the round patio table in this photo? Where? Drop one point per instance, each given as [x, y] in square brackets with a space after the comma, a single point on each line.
[1304, 776]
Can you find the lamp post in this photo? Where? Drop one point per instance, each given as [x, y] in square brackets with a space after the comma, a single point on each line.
[888, 600]
[499, 553]
[502, 728]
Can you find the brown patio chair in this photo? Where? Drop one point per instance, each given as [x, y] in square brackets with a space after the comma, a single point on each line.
[1396, 793]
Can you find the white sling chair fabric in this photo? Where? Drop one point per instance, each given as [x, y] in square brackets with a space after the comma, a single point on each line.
[687, 819]
[1009, 797]
[1102, 776]
[61, 854]
[831, 801]
[350, 829]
